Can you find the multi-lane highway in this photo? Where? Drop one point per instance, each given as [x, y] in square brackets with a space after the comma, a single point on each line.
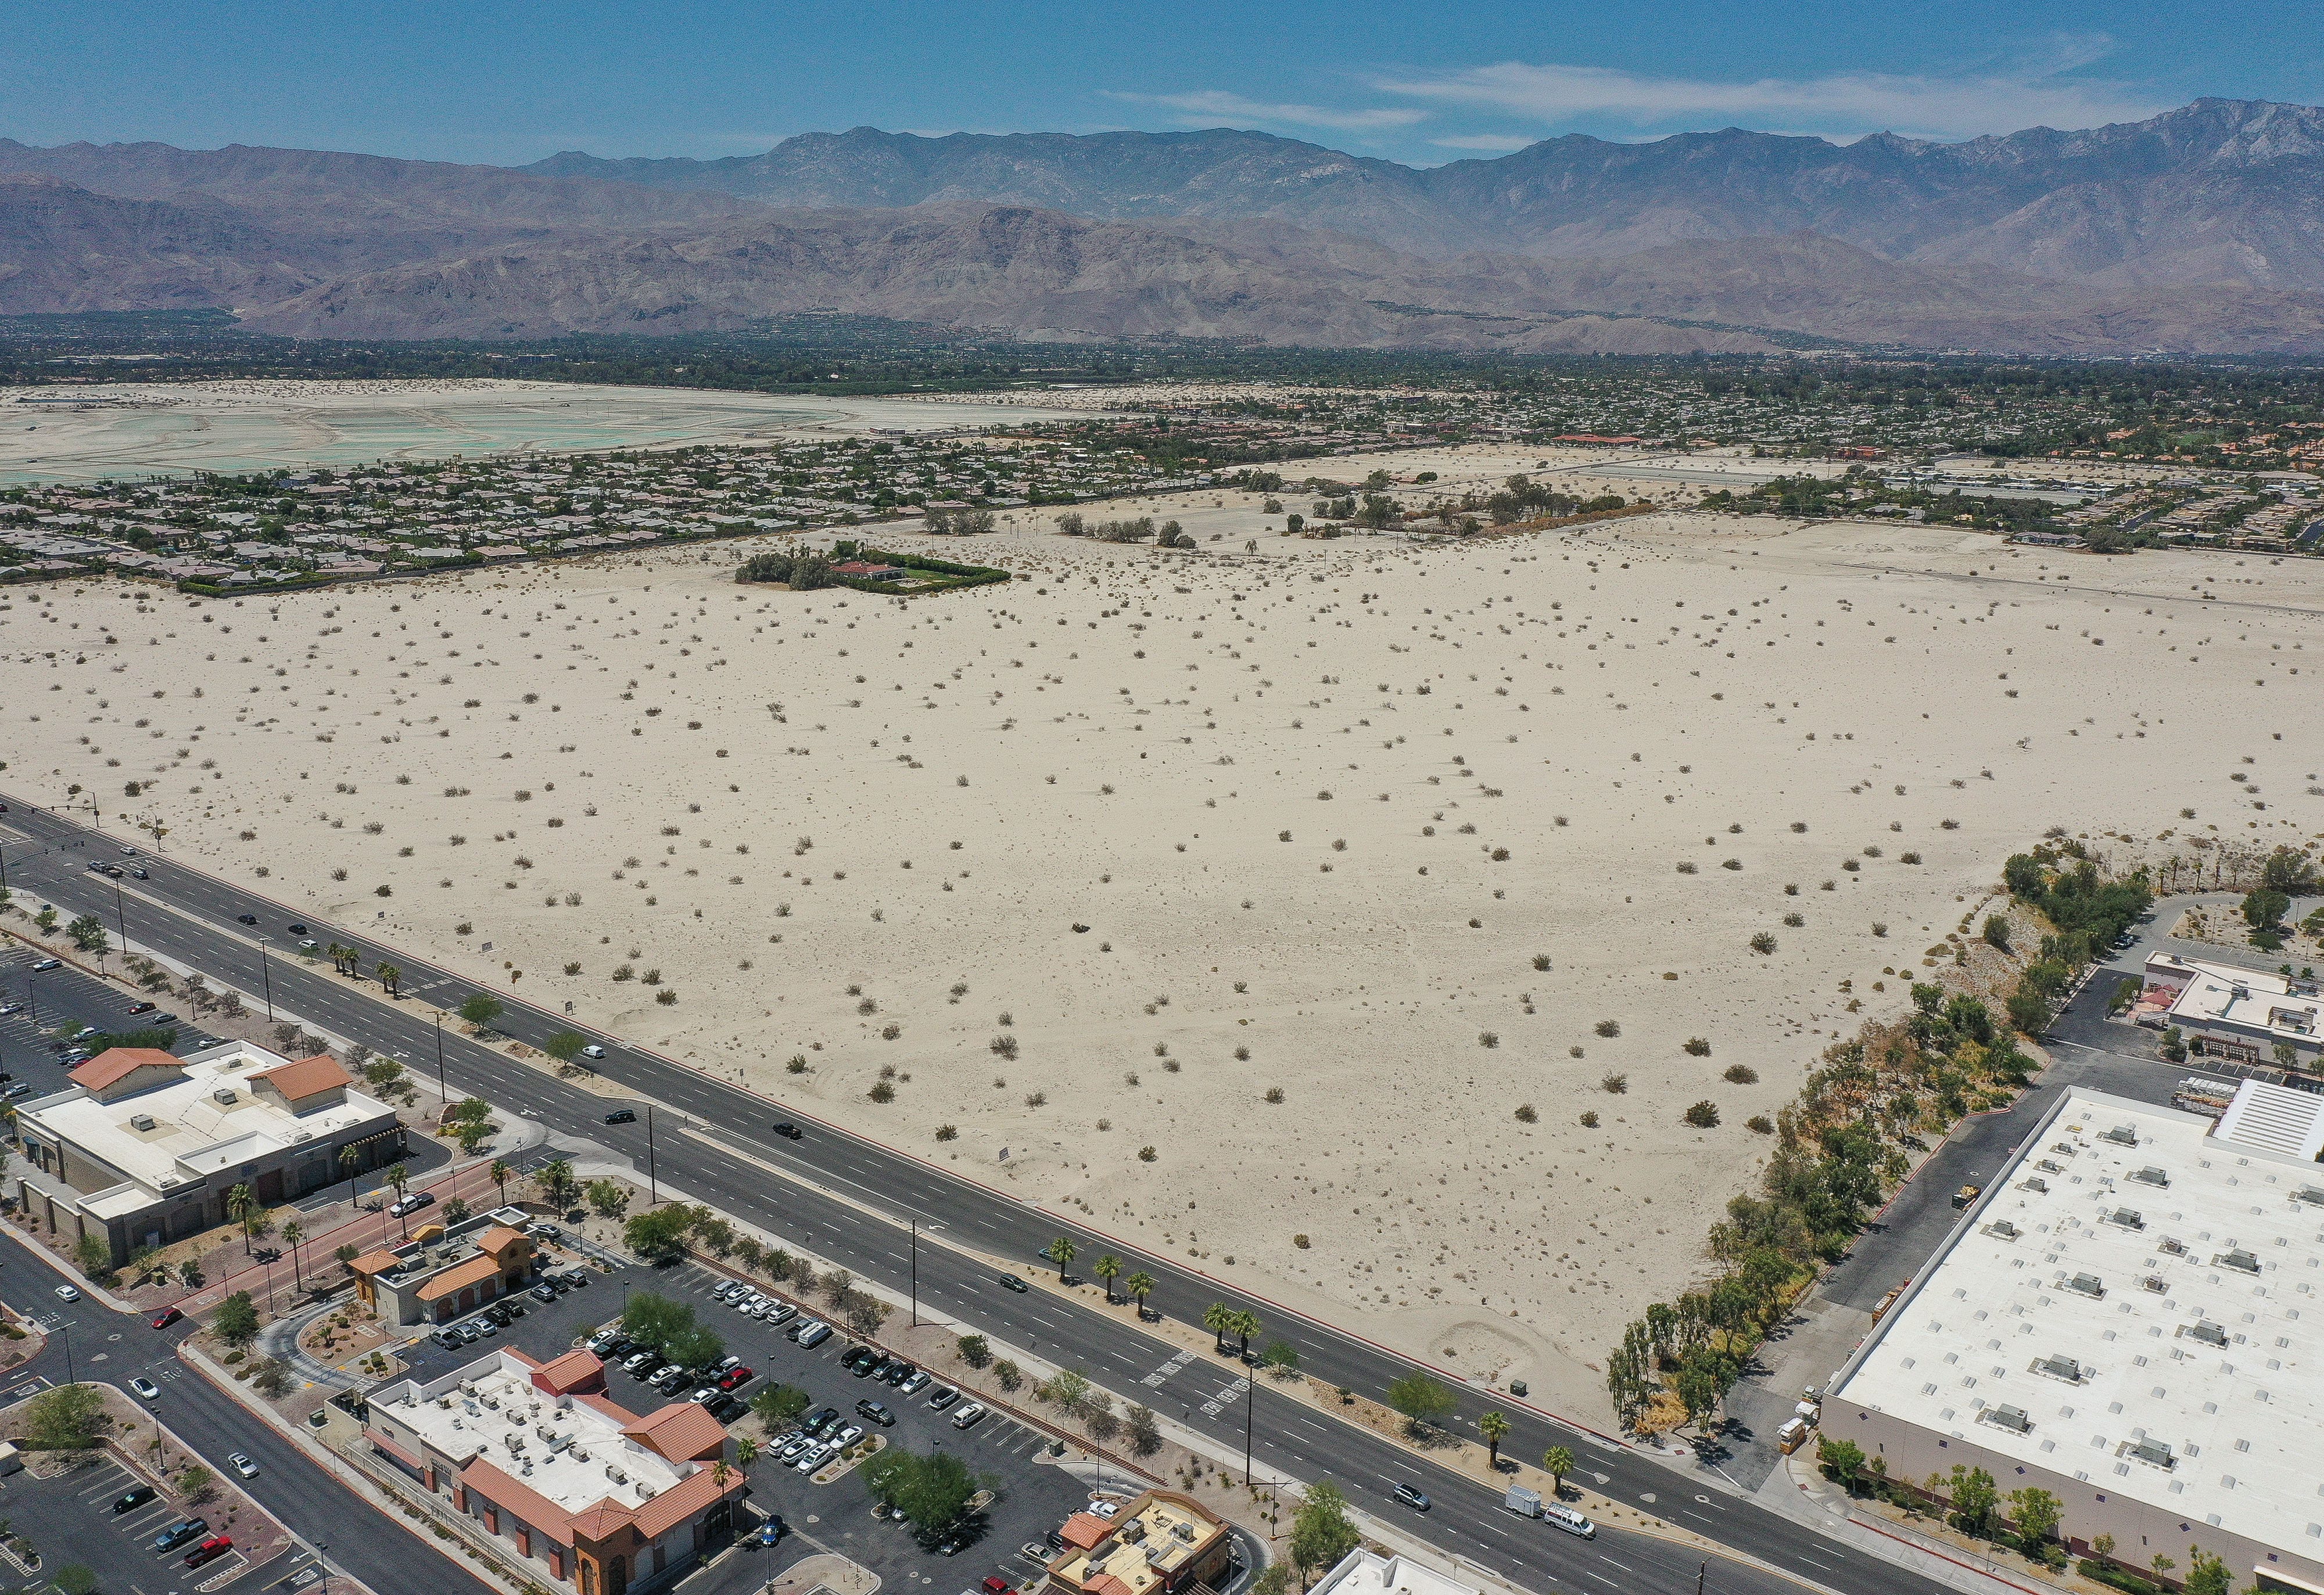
[714, 1140]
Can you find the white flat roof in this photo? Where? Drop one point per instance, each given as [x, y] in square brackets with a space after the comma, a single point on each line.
[491, 1409]
[195, 1135]
[2255, 999]
[2158, 1339]
[1368, 1573]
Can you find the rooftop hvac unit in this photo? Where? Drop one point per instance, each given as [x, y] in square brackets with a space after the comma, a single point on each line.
[2012, 1418]
[2059, 1367]
[528, 1467]
[2210, 1334]
[2002, 1229]
[2240, 1260]
[2121, 1135]
[2087, 1284]
[2151, 1176]
[2128, 1218]
[2036, 1184]
[141, 1121]
[2154, 1282]
[2309, 1195]
[2177, 1248]
[1184, 1531]
[647, 1492]
[2152, 1452]
[1134, 1530]
[580, 1454]
[615, 1474]
[223, 1096]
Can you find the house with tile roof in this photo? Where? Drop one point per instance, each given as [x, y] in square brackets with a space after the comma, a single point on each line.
[1163, 1542]
[589, 1496]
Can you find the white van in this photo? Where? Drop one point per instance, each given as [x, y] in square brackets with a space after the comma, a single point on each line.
[1567, 1519]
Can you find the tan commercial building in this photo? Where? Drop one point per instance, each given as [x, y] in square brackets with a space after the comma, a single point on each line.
[592, 1497]
[2131, 1318]
[142, 1149]
[2248, 1016]
[441, 1274]
[1161, 1544]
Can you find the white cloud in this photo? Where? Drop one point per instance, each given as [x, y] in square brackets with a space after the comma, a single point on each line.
[1213, 105]
[1841, 103]
[1483, 140]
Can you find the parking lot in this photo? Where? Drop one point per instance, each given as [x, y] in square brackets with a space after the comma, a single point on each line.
[44, 1007]
[1031, 1497]
[70, 1519]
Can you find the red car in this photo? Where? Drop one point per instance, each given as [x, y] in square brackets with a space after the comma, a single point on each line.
[166, 1317]
[209, 1551]
[733, 1376]
[994, 1584]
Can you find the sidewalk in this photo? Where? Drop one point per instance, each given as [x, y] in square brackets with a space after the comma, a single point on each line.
[1798, 1492]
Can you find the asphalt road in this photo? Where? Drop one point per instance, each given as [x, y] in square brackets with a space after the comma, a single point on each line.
[92, 1341]
[193, 918]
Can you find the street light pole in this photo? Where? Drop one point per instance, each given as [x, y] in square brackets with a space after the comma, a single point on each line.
[916, 1270]
[121, 920]
[1249, 1401]
[266, 977]
[652, 1199]
[442, 1090]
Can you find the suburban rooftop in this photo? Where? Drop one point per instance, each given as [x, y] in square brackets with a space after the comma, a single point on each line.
[2127, 1305]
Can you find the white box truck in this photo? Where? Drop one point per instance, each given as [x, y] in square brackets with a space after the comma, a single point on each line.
[1523, 1502]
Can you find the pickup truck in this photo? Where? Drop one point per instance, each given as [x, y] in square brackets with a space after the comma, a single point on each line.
[1966, 1195]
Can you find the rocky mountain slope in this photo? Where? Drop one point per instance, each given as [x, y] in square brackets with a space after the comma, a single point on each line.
[2198, 231]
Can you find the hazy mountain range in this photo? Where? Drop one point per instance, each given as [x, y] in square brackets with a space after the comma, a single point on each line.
[2198, 230]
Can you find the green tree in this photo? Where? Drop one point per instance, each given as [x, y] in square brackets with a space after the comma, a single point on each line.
[2263, 910]
[933, 1491]
[554, 1182]
[1424, 1403]
[87, 933]
[1280, 1358]
[1219, 1318]
[1139, 1286]
[608, 1199]
[1246, 1325]
[480, 1010]
[659, 1236]
[1107, 1269]
[351, 1161]
[1975, 1500]
[235, 1322]
[564, 1046]
[654, 1320]
[94, 1256]
[2036, 1513]
[270, 1376]
[1061, 1252]
[76, 1578]
[67, 1418]
[694, 1347]
[2207, 1575]
[779, 1404]
[241, 1204]
[293, 1233]
[500, 1174]
[1843, 1459]
[194, 1483]
[975, 1351]
[1557, 1462]
[1321, 1534]
[1494, 1427]
[391, 978]
[1276, 1579]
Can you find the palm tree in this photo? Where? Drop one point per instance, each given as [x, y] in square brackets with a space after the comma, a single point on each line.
[397, 1176]
[293, 1233]
[555, 1180]
[351, 1159]
[1495, 1427]
[1140, 1285]
[1219, 1318]
[1558, 1461]
[500, 1172]
[719, 1473]
[1246, 1325]
[1061, 1250]
[241, 1204]
[746, 1451]
[389, 975]
[1107, 1268]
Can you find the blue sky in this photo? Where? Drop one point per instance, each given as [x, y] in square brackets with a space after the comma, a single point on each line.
[492, 81]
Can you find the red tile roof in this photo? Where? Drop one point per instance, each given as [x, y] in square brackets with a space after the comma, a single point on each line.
[474, 1271]
[512, 1495]
[682, 1500]
[679, 1431]
[305, 1078]
[116, 1064]
[376, 1262]
[498, 1239]
[571, 1371]
[599, 1523]
[1083, 1530]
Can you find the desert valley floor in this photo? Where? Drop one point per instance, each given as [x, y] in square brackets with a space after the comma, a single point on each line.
[1106, 859]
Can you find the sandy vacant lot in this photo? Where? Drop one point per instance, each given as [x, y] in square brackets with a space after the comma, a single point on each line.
[1392, 830]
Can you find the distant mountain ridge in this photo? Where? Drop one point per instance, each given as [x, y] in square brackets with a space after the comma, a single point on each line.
[2218, 190]
[2198, 231]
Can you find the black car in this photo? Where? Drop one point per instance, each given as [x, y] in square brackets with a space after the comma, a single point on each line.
[179, 1533]
[727, 1408]
[822, 1424]
[897, 1372]
[245, 919]
[296, 929]
[134, 1499]
[1011, 1282]
[622, 1116]
[860, 1361]
[788, 1131]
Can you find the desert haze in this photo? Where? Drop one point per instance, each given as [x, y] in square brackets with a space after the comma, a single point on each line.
[1105, 860]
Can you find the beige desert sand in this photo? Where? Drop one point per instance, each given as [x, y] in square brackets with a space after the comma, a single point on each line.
[1105, 860]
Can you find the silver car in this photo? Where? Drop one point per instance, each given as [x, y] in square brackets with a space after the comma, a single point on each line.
[817, 1455]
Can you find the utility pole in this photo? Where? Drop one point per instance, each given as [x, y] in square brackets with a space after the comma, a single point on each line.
[266, 978]
[652, 1200]
[1250, 1400]
[916, 1270]
[442, 1090]
[121, 920]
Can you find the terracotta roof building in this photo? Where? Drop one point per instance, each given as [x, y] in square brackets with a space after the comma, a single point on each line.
[443, 1273]
[143, 1147]
[1162, 1543]
[590, 1496]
